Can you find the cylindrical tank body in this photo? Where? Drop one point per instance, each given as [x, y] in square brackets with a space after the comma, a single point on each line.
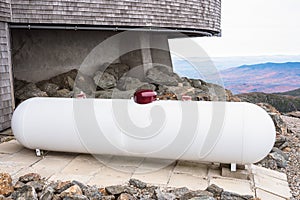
[226, 132]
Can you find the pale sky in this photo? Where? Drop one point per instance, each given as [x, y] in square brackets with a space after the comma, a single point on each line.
[255, 28]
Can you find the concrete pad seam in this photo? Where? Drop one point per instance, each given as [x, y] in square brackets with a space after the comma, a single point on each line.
[271, 193]
[172, 172]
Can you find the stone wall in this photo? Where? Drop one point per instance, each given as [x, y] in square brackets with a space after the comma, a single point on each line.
[6, 99]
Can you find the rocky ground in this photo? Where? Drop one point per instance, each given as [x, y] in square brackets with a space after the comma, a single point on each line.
[285, 155]
[32, 186]
[293, 164]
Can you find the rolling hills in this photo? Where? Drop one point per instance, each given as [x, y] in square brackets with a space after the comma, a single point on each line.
[267, 77]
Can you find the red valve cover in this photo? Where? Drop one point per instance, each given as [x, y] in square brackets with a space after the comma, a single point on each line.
[144, 96]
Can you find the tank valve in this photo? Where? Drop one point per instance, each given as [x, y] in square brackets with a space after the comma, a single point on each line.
[144, 96]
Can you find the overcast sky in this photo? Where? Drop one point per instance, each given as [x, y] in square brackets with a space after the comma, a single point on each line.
[255, 28]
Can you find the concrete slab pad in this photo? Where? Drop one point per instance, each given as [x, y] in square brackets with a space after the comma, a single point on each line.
[214, 173]
[83, 165]
[122, 161]
[189, 181]
[268, 172]
[238, 174]
[11, 167]
[25, 157]
[159, 177]
[108, 176]
[266, 195]
[70, 177]
[155, 164]
[10, 147]
[234, 185]
[272, 185]
[195, 169]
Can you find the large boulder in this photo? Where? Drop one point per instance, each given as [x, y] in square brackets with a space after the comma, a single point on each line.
[162, 75]
[62, 79]
[129, 83]
[117, 70]
[105, 80]
[50, 88]
[85, 83]
[281, 127]
[28, 90]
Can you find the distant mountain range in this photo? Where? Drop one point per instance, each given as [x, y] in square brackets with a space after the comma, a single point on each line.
[267, 77]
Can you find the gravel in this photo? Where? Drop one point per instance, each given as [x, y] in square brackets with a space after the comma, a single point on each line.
[293, 164]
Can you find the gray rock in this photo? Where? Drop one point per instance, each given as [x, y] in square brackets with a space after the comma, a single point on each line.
[85, 83]
[71, 191]
[180, 91]
[274, 149]
[233, 196]
[104, 94]
[18, 84]
[216, 92]
[47, 194]
[180, 191]
[64, 93]
[117, 70]
[147, 86]
[279, 158]
[108, 197]
[30, 177]
[268, 162]
[201, 95]
[61, 186]
[76, 197]
[164, 196]
[115, 190]
[196, 83]
[62, 79]
[28, 91]
[122, 94]
[105, 80]
[198, 193]
[216, 190]
[163, 76]
[203, 198]
[92, 193]
[137, 183]
[19, 184]
[71, 82]
[81, 185]
[129, 83]
[37, 185]
[125, 196]
[49, 88]
[280, 140]
[25, 192]
[186, 81]
[131, 190]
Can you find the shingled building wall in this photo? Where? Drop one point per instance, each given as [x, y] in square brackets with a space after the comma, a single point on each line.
[179, 14]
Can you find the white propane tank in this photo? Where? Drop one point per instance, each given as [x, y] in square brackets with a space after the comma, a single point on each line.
[225, 132]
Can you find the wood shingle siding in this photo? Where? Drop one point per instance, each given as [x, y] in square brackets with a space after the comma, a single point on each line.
[5, 11]
[177, 14]
[6, 105]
